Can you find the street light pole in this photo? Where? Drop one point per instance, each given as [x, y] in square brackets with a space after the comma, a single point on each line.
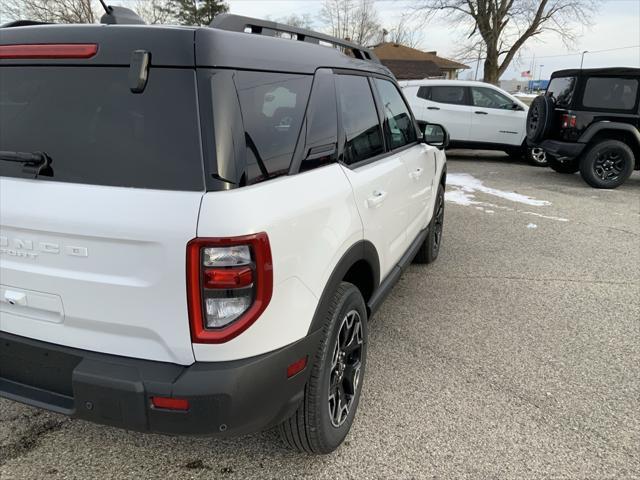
[540, 77]
[582, 59]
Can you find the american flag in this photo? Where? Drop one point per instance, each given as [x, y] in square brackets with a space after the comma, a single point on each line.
[526, 74]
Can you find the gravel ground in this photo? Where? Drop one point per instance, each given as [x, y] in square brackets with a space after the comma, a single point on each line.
[516, 355]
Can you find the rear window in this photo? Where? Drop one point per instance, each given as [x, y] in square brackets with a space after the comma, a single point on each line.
[96, 131]
[561, 89]
[611, 93]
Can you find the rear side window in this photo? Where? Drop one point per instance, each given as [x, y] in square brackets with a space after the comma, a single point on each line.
[97, 132]
[489, 98]
[443, 94]
[359, 119]
[273, 106]
[561, 89]
[424, 93]
[400, 128]
[611, 93]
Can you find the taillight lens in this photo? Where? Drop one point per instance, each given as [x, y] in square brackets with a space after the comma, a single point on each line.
[48, 50]
[568, 120]
[229, 285]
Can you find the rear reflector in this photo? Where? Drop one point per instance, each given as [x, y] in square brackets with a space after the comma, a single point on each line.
[296, 367]
[228, 277]
[169, 403]
[49, 50]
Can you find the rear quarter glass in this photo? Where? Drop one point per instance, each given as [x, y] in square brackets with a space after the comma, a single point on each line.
[561, 89]
[97, 131]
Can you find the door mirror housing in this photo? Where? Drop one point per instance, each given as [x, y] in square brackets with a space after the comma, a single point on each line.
[435, 135]
[515, 106]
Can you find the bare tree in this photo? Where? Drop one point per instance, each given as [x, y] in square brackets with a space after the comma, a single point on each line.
[154, 11]
[294, 20]
[504, 26]
[54, 11]
[356, 20]
[404, 33]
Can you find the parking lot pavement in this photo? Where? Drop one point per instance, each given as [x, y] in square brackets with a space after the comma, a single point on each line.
[515, 355]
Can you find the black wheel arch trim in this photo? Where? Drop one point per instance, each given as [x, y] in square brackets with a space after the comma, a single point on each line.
[362, 250]
[593, 129]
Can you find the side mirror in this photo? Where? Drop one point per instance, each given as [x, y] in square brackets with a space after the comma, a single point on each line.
[435, 135]
[515, 106]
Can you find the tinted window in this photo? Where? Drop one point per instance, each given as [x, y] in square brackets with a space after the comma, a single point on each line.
[610, 93]
[97, 132]
[399, 125]
[424, 92]
[489, 98]
[445, 94]
[322, 124]
[561, 89]
[273, 106]
[359, 119]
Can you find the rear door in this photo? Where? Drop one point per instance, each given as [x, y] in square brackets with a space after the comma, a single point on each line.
[379, 180]
[92, 255]
[448, 106]
[402, 140]
[494, 119]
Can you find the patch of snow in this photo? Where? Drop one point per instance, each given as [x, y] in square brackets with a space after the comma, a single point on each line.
[459, 197]
[548, 217]
[469, 184]
[532, 225]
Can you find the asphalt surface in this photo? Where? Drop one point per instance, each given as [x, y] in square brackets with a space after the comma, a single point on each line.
[515, 355]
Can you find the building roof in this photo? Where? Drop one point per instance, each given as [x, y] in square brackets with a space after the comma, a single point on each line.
[412, 69]
[394, 51]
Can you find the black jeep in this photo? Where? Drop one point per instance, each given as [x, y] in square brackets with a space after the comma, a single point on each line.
[589, 120]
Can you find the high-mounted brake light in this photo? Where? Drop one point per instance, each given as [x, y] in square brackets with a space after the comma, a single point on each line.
[48, 50]
[229, 285]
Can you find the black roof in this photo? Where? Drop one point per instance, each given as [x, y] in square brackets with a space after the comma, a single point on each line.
[597, 71]
[174, 46]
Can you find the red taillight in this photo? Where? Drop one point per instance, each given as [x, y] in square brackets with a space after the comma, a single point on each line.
[229, 285]
[169, 403]
[568, 121]
[49, 50]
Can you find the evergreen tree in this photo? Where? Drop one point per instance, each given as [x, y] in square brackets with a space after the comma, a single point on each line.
[195, 12]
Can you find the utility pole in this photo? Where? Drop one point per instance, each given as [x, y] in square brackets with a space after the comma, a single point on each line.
[582, 59]
[540, 77]
[478, 64]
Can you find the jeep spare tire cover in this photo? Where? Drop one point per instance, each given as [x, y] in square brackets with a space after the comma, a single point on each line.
[539, 118]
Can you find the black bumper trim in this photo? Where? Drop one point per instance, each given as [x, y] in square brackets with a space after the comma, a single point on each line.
[226, 398]
[562, 150]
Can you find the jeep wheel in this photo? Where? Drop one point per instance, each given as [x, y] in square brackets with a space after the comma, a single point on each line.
[537, 156]
[430, 248]
[332, 393]
[571, 166]
[539, 118]
[607, 164]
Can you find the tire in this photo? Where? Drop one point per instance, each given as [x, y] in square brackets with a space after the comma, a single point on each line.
[430, 248]
[571, 166]
[607, 164]
[539, 118]
[316, 427]
[537, 156]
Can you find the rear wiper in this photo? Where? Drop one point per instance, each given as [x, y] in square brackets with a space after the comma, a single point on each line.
[34, 163]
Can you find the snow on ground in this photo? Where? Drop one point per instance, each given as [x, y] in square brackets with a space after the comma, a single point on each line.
[463, 189]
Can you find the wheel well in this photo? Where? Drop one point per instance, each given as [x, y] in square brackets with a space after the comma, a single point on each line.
[443, 178]
[361, 275]
[622, 136]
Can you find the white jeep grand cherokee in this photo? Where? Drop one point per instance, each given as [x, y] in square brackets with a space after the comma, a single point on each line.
[193, 239]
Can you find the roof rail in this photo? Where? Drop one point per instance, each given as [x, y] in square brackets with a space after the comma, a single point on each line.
[23, 23]
[238, 23]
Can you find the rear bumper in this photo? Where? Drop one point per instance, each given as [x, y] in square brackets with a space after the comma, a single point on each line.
[562, 150]
[225, 398]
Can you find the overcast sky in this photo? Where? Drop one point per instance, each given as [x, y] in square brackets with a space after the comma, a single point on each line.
[616, 25]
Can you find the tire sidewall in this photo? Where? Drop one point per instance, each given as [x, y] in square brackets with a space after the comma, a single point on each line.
[587, 164]
[433, 252]
[544, 106]
[331, 436]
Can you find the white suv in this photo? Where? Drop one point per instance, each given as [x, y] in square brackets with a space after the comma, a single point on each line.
[477, 115]
[192, 239]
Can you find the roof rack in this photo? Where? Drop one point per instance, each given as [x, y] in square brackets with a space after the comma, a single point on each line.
[238, 23]
[22, 23]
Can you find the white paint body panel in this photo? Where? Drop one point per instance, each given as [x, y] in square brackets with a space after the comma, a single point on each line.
[127, 296]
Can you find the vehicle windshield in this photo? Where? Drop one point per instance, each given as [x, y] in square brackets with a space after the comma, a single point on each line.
[561, 90]
[96, 131]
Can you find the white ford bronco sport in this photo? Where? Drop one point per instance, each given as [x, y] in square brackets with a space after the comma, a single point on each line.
[198, 223]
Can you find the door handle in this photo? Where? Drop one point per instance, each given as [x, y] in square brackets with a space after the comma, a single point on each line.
[481, 113]
[375, 200]
[433, 108]
[416, 174]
